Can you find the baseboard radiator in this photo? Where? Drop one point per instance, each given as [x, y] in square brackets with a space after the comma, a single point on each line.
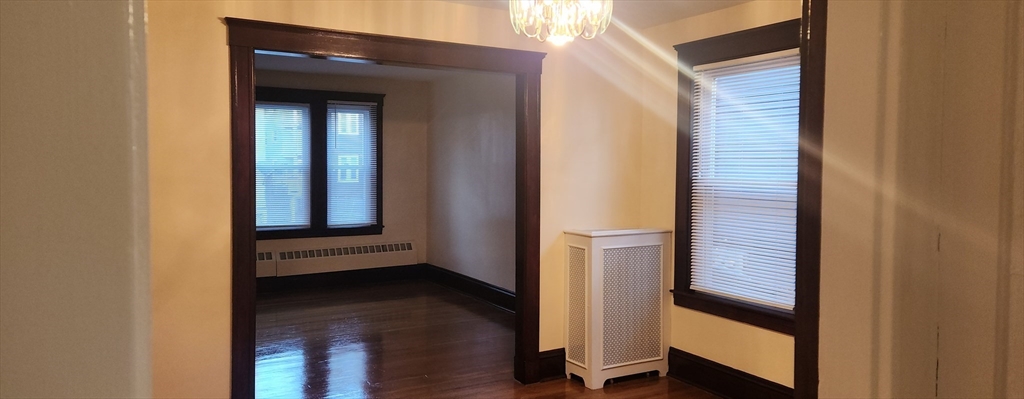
[266, 264]
[291, 262]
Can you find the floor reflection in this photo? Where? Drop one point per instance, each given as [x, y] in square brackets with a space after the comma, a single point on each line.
[316, 359]
[276, 376]
[348, 366]
[407, 339]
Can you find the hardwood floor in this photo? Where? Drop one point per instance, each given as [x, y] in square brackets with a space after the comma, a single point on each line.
[405, 339]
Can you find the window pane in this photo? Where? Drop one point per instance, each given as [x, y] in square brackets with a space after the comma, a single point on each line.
[351, 165]
[282, 166]
[743, 183]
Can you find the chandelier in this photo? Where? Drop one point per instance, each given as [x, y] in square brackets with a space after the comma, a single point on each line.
[560, 21]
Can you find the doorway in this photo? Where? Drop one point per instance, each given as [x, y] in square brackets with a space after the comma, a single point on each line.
[247, 36]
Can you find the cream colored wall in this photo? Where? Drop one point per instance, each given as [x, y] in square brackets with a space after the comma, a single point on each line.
[407, 116]
[981, 134]
[858, 200]
[879, 221]
[590, 151]
[473, 177]
[921, 118]
[74, 273]
[752, 349]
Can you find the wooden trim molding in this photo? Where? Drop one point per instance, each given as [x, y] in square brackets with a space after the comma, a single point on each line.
[722, 380]
[745, 43]
[245, 36]
[808, 219]
[391, 50]
[243, 224]
[749, 313]
[490, 293]
[552, 364]
[527, 366]
[761, 40]
[347, 278]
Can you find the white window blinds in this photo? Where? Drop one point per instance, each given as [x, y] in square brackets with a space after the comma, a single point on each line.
[743, 183]
[282, 166]
[351, 164]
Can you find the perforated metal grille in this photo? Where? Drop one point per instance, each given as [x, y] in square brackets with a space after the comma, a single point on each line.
[345, 251]
[632, 304]
[576, 347]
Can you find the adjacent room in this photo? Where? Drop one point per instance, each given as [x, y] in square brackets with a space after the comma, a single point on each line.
[385, 213]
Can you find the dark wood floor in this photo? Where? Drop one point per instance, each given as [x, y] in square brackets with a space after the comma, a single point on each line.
[407, 339]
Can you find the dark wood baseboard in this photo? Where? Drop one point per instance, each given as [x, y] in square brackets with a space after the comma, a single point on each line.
[484, 291]
[266, 285]
[552, 364]
[497, 296]
[720, 379]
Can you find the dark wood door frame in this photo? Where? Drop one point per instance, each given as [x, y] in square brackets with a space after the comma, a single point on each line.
[245, 36]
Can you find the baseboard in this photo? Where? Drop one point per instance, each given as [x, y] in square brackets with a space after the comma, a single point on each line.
[336, 279]
[552, 364]
[486, 292]
[720, 379]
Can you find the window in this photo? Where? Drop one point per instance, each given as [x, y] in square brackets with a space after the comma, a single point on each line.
[737, 183]
[282, 165]
[743, 181]
[318, 163]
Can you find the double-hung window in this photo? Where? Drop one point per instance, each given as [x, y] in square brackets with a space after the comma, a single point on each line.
[738, 190]
[318, 163]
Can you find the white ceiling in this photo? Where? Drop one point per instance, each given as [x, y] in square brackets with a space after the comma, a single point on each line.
[640, 14]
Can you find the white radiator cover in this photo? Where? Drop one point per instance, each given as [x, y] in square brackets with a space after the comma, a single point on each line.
[617, 303]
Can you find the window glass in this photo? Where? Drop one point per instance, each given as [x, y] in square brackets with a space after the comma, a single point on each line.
[282, 166]
[351, 165]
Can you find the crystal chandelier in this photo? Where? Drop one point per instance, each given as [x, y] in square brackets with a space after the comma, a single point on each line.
[560, 21]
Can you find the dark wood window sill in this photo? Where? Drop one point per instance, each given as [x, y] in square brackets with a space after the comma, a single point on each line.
[313, 233]
[753, 314]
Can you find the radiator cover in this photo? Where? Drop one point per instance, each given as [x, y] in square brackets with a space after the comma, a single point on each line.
[617, 303]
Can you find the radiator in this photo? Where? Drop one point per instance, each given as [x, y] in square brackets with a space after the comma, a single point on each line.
[617, 303]
[266, 264]
[291, 261]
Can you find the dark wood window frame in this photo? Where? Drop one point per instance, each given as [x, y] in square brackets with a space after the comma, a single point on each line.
[318, 101]
[813, 30]
[245, 36]
[762, 40]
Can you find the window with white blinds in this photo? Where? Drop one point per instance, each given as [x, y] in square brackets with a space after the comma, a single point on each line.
[351, 164]
[744, 179]
[282, 166]
[318, 163]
